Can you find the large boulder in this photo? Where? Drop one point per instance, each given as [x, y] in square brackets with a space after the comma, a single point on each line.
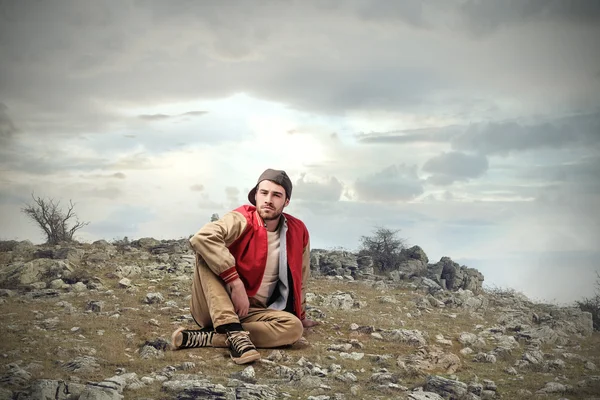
[40, 270]
[452, 276]
[335, 262]
[415, 253]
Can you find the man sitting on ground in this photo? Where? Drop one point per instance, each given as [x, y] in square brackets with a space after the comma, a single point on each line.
[252, 265]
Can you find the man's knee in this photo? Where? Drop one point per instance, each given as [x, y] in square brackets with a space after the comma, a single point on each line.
[295, 330]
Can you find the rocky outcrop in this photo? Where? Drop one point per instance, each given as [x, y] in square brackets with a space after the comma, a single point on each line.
[451, 276]
[377, 338]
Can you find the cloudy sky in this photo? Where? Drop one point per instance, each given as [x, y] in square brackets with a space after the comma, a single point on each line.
[473, 127]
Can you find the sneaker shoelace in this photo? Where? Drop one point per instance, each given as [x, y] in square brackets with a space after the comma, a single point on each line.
[196, 338]
[240, 341]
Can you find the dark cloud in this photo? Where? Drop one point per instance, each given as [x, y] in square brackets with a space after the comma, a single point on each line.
[7, 127]
[394, 183]
[451, 167]
[505, 137]
[486, 16]
[317, 191]
[426, 135]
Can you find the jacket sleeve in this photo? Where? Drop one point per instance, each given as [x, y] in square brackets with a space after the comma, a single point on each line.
[305, 276]
[212, 240]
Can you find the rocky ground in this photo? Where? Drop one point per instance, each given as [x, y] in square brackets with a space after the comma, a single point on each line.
[93, 321]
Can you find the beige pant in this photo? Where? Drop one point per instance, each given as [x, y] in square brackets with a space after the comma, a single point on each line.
[211, 306]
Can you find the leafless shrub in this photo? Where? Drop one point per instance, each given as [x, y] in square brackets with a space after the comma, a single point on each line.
[57, 225]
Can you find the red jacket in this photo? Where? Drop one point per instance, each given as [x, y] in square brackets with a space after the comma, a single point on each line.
[237, 245]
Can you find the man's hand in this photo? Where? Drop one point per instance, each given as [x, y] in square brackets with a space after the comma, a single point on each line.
[239, 297]
[309, 323]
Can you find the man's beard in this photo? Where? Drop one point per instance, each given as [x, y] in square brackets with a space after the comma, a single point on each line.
[275, 214]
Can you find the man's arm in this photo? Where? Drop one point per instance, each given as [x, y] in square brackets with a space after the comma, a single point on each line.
[211, 242]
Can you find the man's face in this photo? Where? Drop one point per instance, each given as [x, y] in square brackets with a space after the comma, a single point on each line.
[270, 200]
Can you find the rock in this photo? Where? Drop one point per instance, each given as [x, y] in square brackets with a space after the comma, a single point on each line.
[6, 394]
[83, 364]
[125, 283]
[544, 334]
[39, 270]
[445, 387]
[95, 306]
[124, 271]
[484, 358]
[48, 389]
[58, 284]
[78, 287]
[467, 338]
[15, 376]
[424, 396]
[246, 375]
[455, 276]
[347, 377]
[352, 356]
[154, 298]
[98, 392]
[589, 366]
[149, 352]
[553, 387]
[338, 300]
[145, 243]
[413, 337]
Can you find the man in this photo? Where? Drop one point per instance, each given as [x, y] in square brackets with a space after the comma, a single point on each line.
[251, 270]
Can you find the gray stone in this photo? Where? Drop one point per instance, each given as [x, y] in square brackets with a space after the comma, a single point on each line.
[95, 306]
[98, 392]
[83, 364]
[446, 388]
[553, 387]
[424, 396]
[78, 287]
[149, 352]
[58, 284]
[15, 376]
[154, 298]
[5, 394]
[196, 389]
[44, 389]
[412, 337]
[39, 270]
[125, 283]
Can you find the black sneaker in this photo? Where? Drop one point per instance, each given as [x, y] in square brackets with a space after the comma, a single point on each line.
[241, 348]
[189, 338]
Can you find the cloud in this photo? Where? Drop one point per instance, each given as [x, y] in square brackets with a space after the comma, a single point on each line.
[447, 168]
[506, 137]
[394, 183]
[485, 17]
[197, 187]
[425, 135]
[162, 117]
[7, 127]
[328, 190]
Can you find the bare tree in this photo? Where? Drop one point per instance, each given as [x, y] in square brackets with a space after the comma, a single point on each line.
[384, 247]
[51, 219]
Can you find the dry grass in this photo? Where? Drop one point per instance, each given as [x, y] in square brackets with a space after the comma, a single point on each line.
[122, 337]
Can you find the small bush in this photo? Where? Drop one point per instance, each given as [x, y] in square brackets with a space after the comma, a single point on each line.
[592, 305]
